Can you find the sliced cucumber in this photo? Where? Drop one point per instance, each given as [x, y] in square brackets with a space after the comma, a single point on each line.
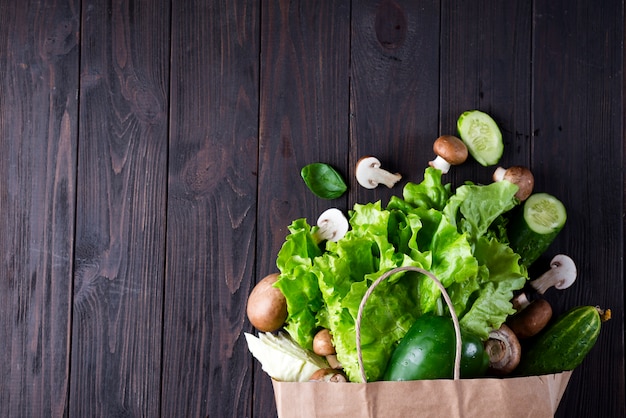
[481, 136]
[532, 230]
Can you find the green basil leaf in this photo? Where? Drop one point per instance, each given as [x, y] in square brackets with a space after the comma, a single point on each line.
[323, 180]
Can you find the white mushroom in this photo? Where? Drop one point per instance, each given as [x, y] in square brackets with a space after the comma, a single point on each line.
[370, 175]
[520, 176]
[450, 151]
[332, 225]
[561, 275]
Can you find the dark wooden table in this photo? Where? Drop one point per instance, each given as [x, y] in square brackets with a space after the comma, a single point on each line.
[150, 155]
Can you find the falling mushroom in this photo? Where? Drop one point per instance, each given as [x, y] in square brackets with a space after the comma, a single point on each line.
[562, 274]
[450, 151]
[520, 176]
[370, 175]
[332, 225]
[504, 350]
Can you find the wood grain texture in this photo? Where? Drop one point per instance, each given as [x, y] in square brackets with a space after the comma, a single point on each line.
[303, 119]
[38, 136]
[485, 55]
[150, 154]
[394, 90]
[577, 148]
[207, 369]
[120, 223]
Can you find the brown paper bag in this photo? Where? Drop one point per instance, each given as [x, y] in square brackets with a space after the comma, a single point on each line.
[533, 396]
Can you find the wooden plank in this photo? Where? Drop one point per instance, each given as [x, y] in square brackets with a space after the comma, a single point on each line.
[120, 226]
[485, 65]
[394, 90]
[38, 130]
[577, 153]
[207, 369]
[303, 119]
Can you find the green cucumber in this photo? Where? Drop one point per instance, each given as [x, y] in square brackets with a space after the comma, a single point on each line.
[564, 344]
[481, 135]
[532, 230]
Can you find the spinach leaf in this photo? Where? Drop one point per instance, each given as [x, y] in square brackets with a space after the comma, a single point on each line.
[323, 180]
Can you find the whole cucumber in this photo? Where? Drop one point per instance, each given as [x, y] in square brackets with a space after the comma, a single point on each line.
[564, 344]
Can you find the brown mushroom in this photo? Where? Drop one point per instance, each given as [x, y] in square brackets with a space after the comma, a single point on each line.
[267, 306]
[323, 343]
[504, 350]
[369, 174]
[450, 151]
[520, 176]
[328, 375]
[531, 319]
[323, 346]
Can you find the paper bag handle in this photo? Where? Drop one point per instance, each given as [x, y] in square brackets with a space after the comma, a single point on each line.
[446, 297]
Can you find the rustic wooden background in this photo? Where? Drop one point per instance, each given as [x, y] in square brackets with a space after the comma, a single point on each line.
[149, 161]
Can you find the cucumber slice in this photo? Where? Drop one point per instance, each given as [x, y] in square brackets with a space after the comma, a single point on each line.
[532, 230]
[481, 136]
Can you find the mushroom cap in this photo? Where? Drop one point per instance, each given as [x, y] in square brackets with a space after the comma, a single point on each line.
[323, 343]
[332, 224]
[518, 175]
[267, 306]
[369, 174]
[531, 320]
[451, 149]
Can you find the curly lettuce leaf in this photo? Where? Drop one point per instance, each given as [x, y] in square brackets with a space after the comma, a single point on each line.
[430, 193]
[474, 208]
[501, 276]
[459, 237]
[349, 267]
[298, 282]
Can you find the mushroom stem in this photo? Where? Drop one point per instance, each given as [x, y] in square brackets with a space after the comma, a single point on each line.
[370, 175]
[440, 164]
[520, 302]
[561, 275]
[387, 178]
[498, 174]
[333, 362]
